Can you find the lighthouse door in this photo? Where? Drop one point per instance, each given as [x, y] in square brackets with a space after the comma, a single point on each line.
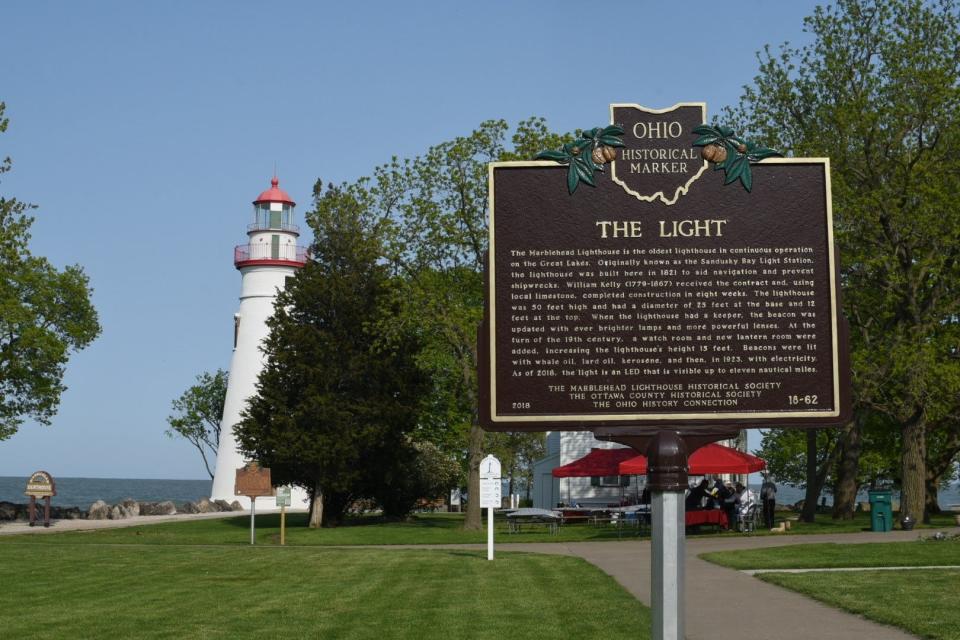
[275, 247]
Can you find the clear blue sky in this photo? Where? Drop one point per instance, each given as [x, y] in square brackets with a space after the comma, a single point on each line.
[144, 130]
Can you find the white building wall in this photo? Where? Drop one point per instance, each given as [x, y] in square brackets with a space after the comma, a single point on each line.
[573, 446]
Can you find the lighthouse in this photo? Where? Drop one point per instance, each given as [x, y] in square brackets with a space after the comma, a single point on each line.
[269, 257]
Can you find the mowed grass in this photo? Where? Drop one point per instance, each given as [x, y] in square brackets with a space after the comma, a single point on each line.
[423, 529]
[824, 523]
[156, 591]
[923, 602]
[829, 555]
[429, 528]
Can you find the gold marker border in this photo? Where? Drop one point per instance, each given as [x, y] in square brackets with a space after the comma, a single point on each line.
[645, 417]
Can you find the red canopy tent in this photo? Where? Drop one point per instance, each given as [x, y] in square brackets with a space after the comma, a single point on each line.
[599, 462]
[711, 458]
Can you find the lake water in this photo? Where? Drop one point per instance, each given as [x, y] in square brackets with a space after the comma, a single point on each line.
[82, 492]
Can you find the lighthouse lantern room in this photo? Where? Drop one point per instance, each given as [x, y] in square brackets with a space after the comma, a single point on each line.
[269, 257]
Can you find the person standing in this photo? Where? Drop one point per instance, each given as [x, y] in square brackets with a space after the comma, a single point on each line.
[768, 494]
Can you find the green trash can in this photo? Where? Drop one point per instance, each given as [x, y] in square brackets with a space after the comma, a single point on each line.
[881, 510]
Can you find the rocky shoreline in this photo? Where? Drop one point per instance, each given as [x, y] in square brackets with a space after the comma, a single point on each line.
[129, 508]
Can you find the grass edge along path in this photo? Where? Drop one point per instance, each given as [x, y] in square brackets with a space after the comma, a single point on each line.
[157, 591]
[830, 555]
[922, 602]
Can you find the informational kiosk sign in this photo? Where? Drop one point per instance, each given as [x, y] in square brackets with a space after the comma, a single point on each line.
[676, 291]
[491, 497]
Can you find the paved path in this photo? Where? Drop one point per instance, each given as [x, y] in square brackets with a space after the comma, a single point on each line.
[59, 526]
[725, 604]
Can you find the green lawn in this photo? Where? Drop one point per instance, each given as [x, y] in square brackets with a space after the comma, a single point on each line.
[440, 528]
[922, 602]
[824, 523]
[60, 590]
[431, 528]
[829, 555]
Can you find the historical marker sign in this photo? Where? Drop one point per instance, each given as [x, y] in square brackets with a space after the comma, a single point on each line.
[670, 293]
[252, 481]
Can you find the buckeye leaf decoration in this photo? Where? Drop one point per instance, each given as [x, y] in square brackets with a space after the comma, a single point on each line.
[586, 155]
[731, 153]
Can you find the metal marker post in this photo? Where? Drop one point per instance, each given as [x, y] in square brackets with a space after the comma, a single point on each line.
[253, 512]
[667, 475]
[283, 522]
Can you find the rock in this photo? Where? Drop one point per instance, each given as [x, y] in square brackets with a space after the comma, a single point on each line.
[224, 505]
[236, 506]
[188, 507]
[205, 506]
[8, 511]
[66, 513]
[129, 508]
[99, 510]
[165, 508]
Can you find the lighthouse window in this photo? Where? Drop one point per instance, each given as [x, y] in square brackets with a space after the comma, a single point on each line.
[263, 216]
[275, 247]
[274, 219]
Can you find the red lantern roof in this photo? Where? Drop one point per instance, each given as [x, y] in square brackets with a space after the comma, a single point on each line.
[274, 194]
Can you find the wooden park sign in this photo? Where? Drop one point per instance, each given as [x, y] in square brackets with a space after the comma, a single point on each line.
[662, 272]
[40, 485]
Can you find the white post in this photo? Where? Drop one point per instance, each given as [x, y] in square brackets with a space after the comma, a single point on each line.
[489, 533]
[253, 512]
[668, 541]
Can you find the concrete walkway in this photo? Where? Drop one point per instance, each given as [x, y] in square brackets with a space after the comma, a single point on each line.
[725, 604]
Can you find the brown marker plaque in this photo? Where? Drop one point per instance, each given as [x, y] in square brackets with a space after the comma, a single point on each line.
[691, 302]
[252, 481]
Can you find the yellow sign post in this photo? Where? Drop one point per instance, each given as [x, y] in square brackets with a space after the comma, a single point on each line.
[283, 501]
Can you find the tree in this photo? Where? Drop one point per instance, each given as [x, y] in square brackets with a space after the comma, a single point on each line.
[878, 91]
[438, 202]
[334, 405]
[45, 315]
[804, 458]
[517, 451]
[198, 413]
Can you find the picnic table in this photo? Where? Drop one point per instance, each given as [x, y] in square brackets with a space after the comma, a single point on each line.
[532, 517]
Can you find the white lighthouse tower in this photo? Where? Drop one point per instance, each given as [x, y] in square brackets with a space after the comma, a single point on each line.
[269, 257]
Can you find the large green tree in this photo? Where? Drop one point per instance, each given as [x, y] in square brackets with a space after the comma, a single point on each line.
[197, 415]
[878, 91]
[438, 203]
[334, 404]
[45, 315]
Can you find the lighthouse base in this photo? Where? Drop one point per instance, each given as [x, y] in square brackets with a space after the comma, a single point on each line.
[299, 501]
